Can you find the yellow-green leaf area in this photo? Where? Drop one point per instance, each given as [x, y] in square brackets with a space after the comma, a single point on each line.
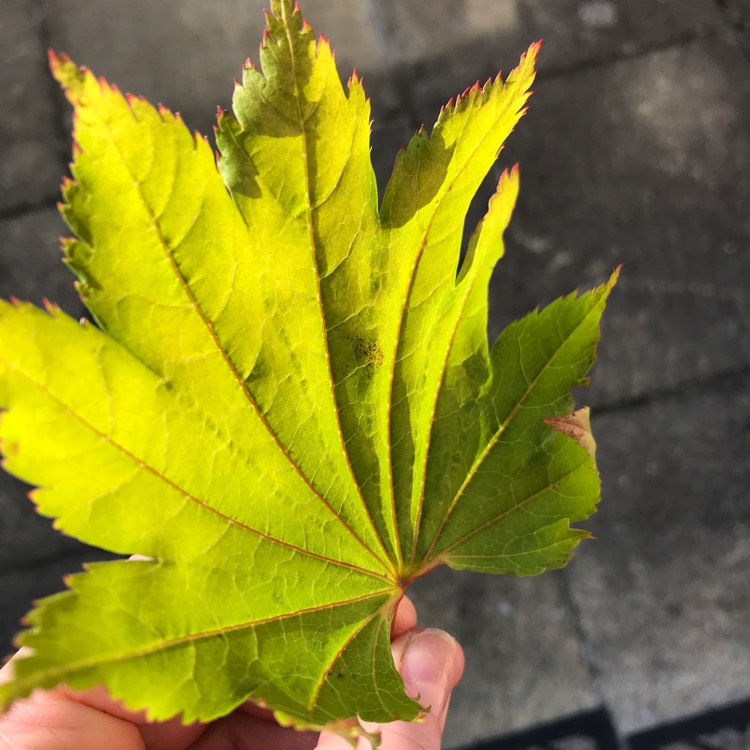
[287, 402]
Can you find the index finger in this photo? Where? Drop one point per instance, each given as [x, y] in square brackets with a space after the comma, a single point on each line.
[87, 720]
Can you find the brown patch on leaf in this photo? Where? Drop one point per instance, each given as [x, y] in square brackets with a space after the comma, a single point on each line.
[577, 426]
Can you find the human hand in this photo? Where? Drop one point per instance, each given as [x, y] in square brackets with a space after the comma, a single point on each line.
[430, 661]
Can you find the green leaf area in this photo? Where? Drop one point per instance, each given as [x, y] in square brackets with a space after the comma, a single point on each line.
[289, 402]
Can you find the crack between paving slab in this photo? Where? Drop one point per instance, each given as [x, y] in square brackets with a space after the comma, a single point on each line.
[687, 389]
[394, 73]
[21, 209]
[732, 16]
[86, 554]
[738, 26]
[403, 76]
[637, 53]
[62, 133]
[587, 650]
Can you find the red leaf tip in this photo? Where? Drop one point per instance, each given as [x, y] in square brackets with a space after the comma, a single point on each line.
[164, 112]
[56, 59]
[532, 52]
[132, 100]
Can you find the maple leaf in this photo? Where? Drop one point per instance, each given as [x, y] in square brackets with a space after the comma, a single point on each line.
[289, 403]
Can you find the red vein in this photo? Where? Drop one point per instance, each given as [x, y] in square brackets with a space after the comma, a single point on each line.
[210, 328]
[374, 669]
[392, 378]
[438, 391]
[469, 289]
[313, 250]
[324, 676]
[181, 490]
[496, 436]
[508, 511]
[417, 259]
[40, 676]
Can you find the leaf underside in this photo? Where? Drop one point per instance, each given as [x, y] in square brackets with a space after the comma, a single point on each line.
[290, 403]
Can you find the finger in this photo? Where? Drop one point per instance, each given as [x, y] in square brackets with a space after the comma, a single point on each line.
[94, 706]
[404, 618]
[243, 731]
[431, 663]
[47, 720]
[157, 735]
[169, 735]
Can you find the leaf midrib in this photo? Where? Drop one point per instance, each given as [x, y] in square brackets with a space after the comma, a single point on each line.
[301, 124]
[509, 511]
[140, 463]
[176, 642]
[501, 429]
[399, 338]
[438, 391]
[210, 328]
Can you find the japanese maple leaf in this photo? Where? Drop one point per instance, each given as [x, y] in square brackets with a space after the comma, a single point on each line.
[289, 403]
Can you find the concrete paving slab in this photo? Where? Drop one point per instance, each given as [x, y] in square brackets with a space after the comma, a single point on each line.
[19, 589]
[645, 162]
[524, 663]
[186, 54]
[653, 172]
[738, 11]
[358, 44]
[31, 266]
[31, 269]
[387, 139]
[26, 537]
[452, 44]
[662, 592]
[31, 149]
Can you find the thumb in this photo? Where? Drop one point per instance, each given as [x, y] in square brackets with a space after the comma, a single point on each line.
[431, 663]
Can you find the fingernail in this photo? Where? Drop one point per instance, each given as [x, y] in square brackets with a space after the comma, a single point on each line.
[427, 666]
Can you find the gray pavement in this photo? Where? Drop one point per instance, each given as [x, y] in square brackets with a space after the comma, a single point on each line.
[525, 661]
[662, 594]
[635, 150]
[31, 142]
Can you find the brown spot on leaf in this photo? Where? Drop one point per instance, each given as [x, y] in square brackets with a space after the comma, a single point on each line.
[577, 426]
[368, 350]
